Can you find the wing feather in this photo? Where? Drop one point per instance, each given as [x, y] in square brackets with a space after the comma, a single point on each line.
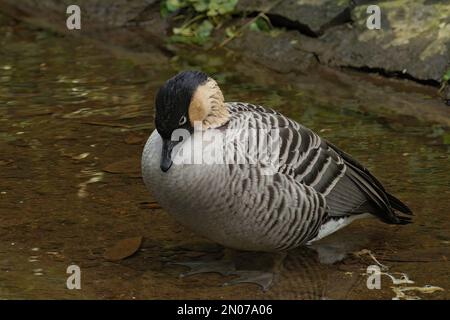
[347, 186]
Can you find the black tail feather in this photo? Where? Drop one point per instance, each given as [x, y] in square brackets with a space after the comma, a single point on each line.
[398, 205]
[403, 220]
[384, 205]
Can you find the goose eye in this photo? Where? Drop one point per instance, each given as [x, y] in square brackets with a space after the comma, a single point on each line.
[182, 120]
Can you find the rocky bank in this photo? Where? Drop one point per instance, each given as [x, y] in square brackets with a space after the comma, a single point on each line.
[413, 42]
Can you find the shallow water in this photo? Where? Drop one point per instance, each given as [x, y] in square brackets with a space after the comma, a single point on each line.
[74, 117]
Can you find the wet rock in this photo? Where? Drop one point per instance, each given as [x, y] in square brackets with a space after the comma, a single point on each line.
[108, 13]
[414, 39]
[282, 53]
[312, 17]
[447, 96]
[131, 24]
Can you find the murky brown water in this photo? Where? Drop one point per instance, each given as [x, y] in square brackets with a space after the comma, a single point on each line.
[74, 118]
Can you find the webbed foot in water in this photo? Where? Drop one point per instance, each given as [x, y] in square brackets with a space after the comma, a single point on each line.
[262, 279]
[223, 267]
[228, 268]
[248, 267]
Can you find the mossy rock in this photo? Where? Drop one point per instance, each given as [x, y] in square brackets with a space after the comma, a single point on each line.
[414, 39]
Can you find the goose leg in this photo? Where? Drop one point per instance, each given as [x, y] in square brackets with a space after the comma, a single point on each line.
[264, 279]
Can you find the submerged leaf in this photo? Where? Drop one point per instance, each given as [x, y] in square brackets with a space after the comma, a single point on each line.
[123, 249]
[132, 165]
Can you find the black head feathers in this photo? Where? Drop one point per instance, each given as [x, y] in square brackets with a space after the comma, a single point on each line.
[173, 100]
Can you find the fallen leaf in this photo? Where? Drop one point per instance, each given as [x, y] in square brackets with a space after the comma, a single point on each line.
[34, 112]
[134, 139]
[81, 156]
[107, 124]
[149, 205]
[6, 162]
[124, 166]
[123, 249]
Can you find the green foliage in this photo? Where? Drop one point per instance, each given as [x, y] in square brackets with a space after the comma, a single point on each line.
[446, 76]
[261, 24]
[193, 33]
[211, 8]
[201, 17]
[445, 82]
[446, 138]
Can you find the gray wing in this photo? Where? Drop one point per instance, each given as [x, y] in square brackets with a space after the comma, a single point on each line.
[286, 212]
[347, 186]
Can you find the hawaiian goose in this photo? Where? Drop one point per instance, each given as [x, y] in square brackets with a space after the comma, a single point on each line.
[313, 190]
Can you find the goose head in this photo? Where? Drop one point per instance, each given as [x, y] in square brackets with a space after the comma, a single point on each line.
[189, 100]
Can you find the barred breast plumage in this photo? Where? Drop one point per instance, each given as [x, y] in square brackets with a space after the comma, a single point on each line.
[315, 189]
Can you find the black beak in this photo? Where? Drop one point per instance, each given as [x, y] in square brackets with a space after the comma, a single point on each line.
[166, 154]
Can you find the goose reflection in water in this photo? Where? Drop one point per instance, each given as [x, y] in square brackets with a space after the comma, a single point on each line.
[312, 272]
